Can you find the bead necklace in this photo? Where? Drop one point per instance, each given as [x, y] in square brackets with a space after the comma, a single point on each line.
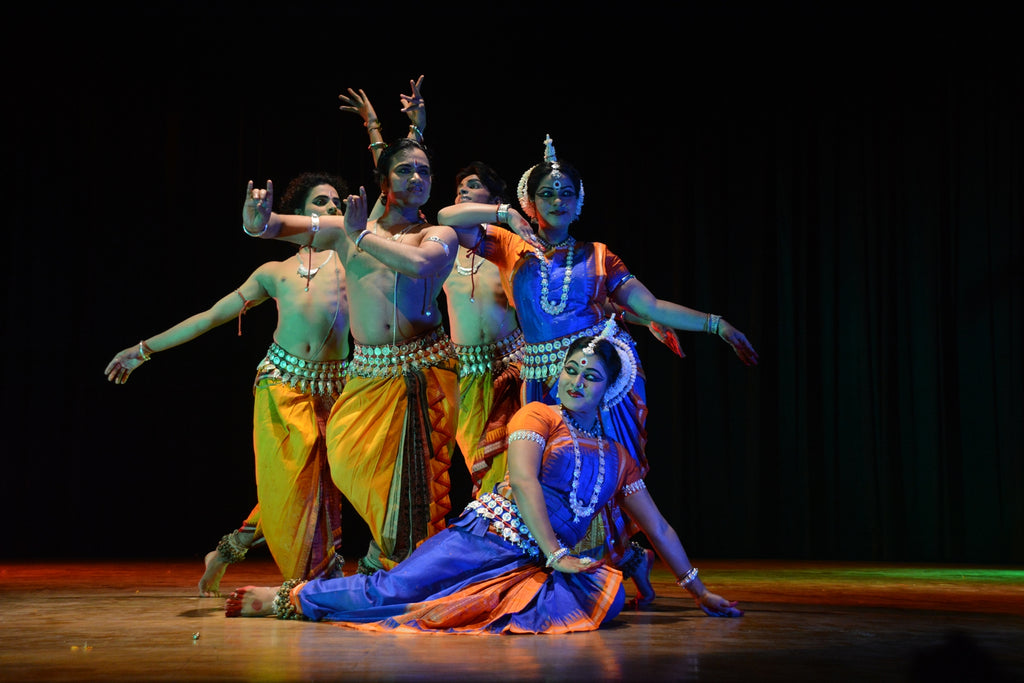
[574, 503]
[552, 308]
[307, 271]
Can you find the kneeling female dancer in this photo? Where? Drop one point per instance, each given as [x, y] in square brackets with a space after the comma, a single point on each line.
[504, 566]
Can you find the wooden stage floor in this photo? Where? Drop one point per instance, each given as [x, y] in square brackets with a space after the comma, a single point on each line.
[141, 621]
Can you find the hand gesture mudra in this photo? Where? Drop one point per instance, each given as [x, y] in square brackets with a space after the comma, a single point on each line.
[358, 103]
[413, 105]
[738, 341]
[256, 208]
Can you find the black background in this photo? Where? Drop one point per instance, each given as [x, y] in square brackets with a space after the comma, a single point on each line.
[843, 186]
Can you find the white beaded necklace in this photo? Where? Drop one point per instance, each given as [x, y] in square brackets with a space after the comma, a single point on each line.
[550, 308]
[574, 502]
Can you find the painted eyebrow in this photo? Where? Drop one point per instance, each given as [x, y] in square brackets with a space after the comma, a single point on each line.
[593, 371]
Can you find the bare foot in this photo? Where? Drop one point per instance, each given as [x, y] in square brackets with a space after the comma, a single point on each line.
[251, 601]
[642, 578]
[209, 584]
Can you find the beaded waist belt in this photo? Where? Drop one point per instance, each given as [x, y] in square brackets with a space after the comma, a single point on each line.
[544, 360]
[314, 377]
[490, 358]
[394, 360]
[505, 521]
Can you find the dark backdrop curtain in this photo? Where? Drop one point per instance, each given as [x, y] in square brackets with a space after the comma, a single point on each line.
[856, 212]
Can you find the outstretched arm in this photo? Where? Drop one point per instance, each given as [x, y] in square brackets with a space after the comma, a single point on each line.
[251, 293]
[633, 295]
[645, 513]
[465, 218]
[258, 220]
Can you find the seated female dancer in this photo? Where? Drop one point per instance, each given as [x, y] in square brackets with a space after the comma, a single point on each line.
[505, 566]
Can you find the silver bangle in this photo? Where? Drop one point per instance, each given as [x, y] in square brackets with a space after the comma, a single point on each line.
[711, 324]
[142, 351]
[556, 556]
[501, 215]
[314, 220]
[255, 234]
[687, 578]
[364, 233]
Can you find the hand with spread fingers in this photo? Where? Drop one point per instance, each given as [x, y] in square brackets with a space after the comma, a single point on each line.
[414, 107]
[357, 102]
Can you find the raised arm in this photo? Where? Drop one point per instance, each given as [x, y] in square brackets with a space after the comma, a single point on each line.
[358, 102]
[635, 296]
[413, 106]
[251, 293]
[663, 537]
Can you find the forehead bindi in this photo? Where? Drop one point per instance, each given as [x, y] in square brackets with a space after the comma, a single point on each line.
[412, 159]
[564, 184]
[592, 362]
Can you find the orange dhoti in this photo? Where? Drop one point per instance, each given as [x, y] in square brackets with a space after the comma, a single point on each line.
[390, 437]
[299, 510]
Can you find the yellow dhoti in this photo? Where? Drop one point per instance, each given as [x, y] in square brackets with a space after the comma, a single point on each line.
[299, 510]
[489, 395]
[390, 438]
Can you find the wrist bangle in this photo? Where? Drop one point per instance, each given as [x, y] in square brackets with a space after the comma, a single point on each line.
[142, 350]
[687, 578]
[314, 223]
[501, 215]
[255, 234]
[378, 145]
[554, 557]
[364, 233]
[711, 324]
[414, 129]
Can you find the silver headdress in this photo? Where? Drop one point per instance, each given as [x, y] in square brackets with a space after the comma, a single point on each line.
[529, 208]
[627, 374]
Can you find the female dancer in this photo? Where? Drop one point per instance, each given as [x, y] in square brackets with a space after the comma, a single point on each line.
[560, 288]
[505, 566]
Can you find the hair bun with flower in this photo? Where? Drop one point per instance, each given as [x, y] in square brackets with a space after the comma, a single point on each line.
[527, 204]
